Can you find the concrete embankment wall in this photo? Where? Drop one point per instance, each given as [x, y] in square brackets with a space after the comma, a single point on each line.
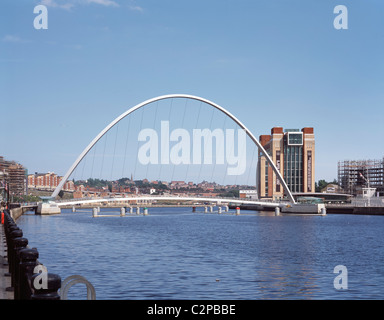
[332, 209]
[17, 212]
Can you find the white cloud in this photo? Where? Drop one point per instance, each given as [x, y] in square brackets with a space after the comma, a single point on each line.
[136, 8]
[68, 4]
[53, 4]
[106, 3]
[14, 39]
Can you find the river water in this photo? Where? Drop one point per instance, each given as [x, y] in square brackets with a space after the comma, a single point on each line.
[175, 254]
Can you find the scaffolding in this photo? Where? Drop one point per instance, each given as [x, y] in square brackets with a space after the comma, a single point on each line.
[16, 177]
[353, 175]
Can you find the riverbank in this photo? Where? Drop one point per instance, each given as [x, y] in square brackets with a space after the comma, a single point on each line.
[330, 209]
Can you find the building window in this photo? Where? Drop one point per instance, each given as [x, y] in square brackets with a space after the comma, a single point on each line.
[295, 138]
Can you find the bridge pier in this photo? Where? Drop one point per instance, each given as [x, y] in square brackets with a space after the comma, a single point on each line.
[47, 208]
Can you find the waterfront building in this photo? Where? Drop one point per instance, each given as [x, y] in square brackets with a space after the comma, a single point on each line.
[248, 194]
[356, 175]
[293, 152]
[16, 177]
[48, 181]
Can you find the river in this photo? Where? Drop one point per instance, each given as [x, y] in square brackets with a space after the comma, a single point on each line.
[173, 253]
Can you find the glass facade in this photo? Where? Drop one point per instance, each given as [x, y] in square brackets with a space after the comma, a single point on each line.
[293, 167]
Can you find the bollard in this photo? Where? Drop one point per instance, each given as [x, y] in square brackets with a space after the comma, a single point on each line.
[122, 212]
[28, 262]
[145, 211]
[237, 211]
[226, 208]
[219, 209]
[11, 227]
[211, 209]
[205, 209]
[18, 244]
[193, 209]
[73, 209]
[11, 252]
[130, 209]
[47, 291]
[138, 210]
[94, 212]
[277, 211]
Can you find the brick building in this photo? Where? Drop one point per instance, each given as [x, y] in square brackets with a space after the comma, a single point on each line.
[293, 153]
[48, 181]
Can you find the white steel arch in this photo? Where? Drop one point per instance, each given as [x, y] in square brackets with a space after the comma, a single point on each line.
[170, 96]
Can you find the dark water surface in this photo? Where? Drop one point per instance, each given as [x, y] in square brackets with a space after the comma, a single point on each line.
[175, 254]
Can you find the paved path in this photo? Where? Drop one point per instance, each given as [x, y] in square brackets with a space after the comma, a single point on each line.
[5, 282]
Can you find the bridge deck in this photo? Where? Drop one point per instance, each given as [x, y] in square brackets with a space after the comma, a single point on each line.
[170, 198]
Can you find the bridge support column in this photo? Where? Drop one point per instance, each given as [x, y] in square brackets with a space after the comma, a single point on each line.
[47, 208]
[94, 212]
[122, 212]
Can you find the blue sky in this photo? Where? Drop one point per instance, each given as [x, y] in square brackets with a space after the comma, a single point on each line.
[270, 63]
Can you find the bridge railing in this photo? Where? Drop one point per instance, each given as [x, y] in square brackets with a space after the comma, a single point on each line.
[160, 197]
